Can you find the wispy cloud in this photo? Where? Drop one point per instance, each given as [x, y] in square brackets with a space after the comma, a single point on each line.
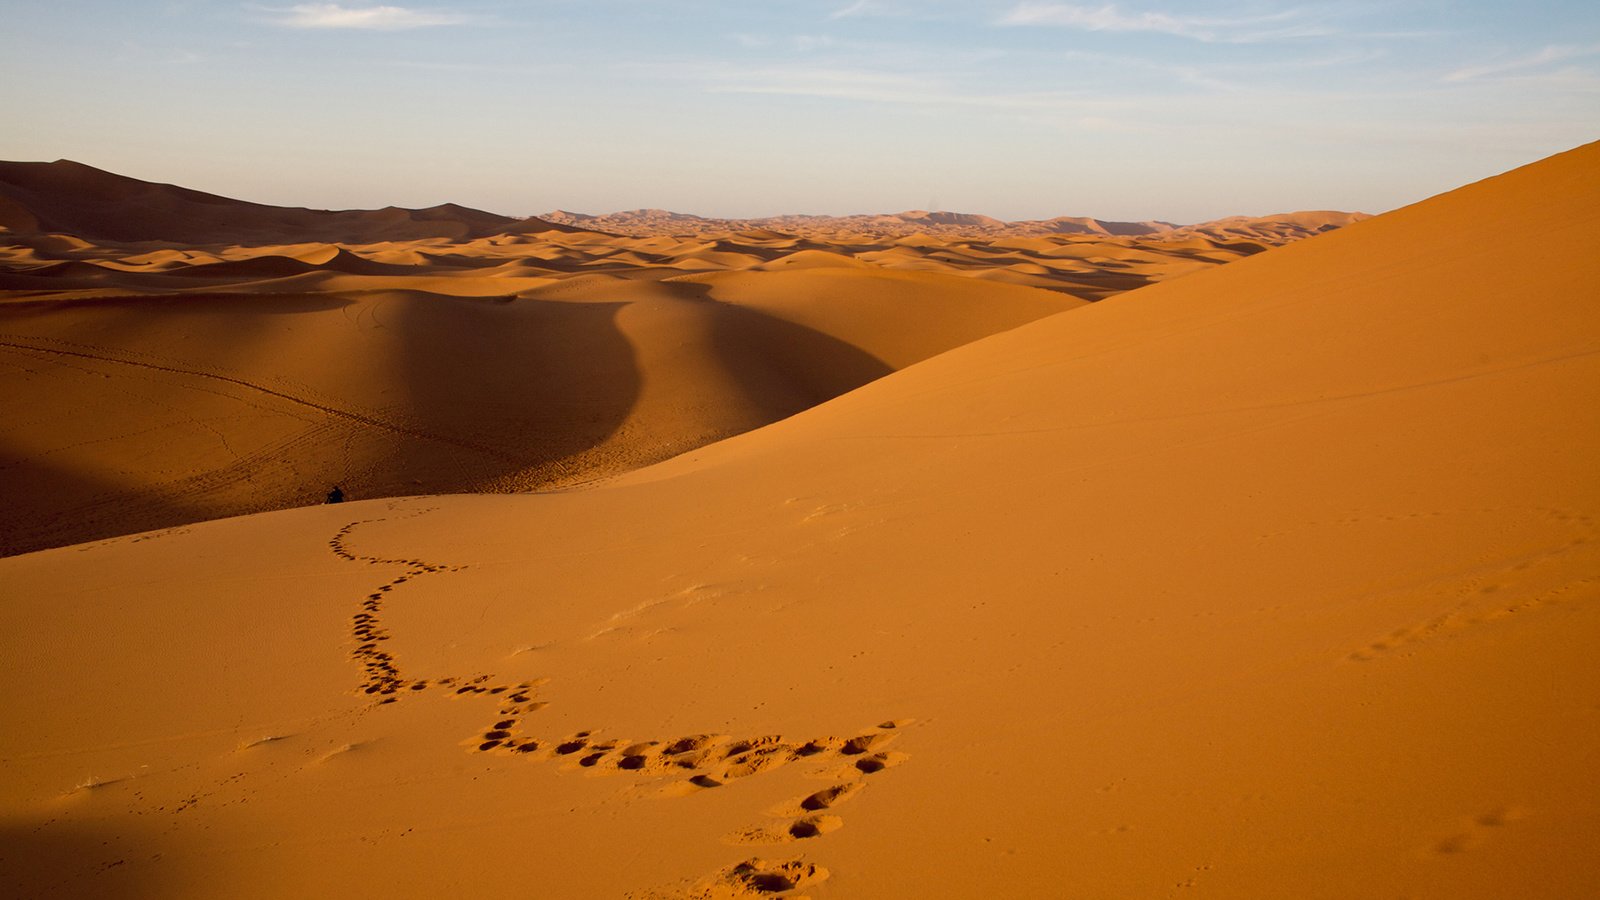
[371, 18]
[854, 9]
[923, 89]
[1546, 56]
[1110, 17]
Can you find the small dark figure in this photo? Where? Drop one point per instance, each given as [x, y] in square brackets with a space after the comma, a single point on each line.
[336, 495]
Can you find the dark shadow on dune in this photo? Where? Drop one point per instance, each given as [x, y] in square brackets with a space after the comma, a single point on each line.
[71, 861]
[782, 367]
[485, 389]
[520, 383]
[1115, 282]
[51, 506]
[539, 382]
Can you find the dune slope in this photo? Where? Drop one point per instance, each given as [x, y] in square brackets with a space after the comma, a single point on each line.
[1278, 580]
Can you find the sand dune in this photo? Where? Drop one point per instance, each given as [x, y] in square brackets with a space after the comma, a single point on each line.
[1273, 230]
[1275, 580]
[66, 196]
[1270, 230]
[262, 354]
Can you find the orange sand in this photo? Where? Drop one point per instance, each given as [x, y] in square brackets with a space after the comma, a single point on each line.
[1274, 580]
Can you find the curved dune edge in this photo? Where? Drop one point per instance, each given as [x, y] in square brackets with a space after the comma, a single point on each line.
[1275, 580]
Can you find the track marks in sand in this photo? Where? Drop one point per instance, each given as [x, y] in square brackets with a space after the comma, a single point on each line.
[1479, 831]
[683, 765]
[1501, 591]
[688, 765]
[751, 878]
[695, 763]
[381, 671]
[294, 394]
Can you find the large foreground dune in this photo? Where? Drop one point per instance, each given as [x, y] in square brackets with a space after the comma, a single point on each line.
[1278, 580]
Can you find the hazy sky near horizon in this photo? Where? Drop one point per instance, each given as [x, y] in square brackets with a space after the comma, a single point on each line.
[1135, 109]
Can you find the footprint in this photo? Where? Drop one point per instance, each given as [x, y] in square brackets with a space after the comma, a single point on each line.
[760, 878]
[878, 762]
[814, 747]
[755, 761]
[814, 826]
[637, 757]
[828, 798]
[863, 743]
[1479, 831]
[690, 752]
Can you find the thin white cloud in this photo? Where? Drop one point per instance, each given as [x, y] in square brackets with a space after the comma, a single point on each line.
[922, 89]
[1110, 17]
[371, 18]
[1551, 54]
[854, 9]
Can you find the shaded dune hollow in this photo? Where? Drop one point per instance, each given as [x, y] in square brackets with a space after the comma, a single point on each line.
[173, 356]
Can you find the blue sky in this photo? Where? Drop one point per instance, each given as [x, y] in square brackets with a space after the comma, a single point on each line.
[1017, 108]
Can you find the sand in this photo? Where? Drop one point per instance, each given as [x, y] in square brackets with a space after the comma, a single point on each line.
[1273, 580]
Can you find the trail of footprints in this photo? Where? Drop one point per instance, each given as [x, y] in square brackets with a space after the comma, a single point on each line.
[691, 764]
[382, 672]
[1491, 595]
[707, 761]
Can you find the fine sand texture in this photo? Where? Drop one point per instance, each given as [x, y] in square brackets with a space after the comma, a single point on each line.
[172, 356]
[1277, 580]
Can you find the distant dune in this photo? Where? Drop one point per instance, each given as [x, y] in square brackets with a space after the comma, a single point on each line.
[1276, 580]
[72, 198]
[178, 356]
[1268, 230]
